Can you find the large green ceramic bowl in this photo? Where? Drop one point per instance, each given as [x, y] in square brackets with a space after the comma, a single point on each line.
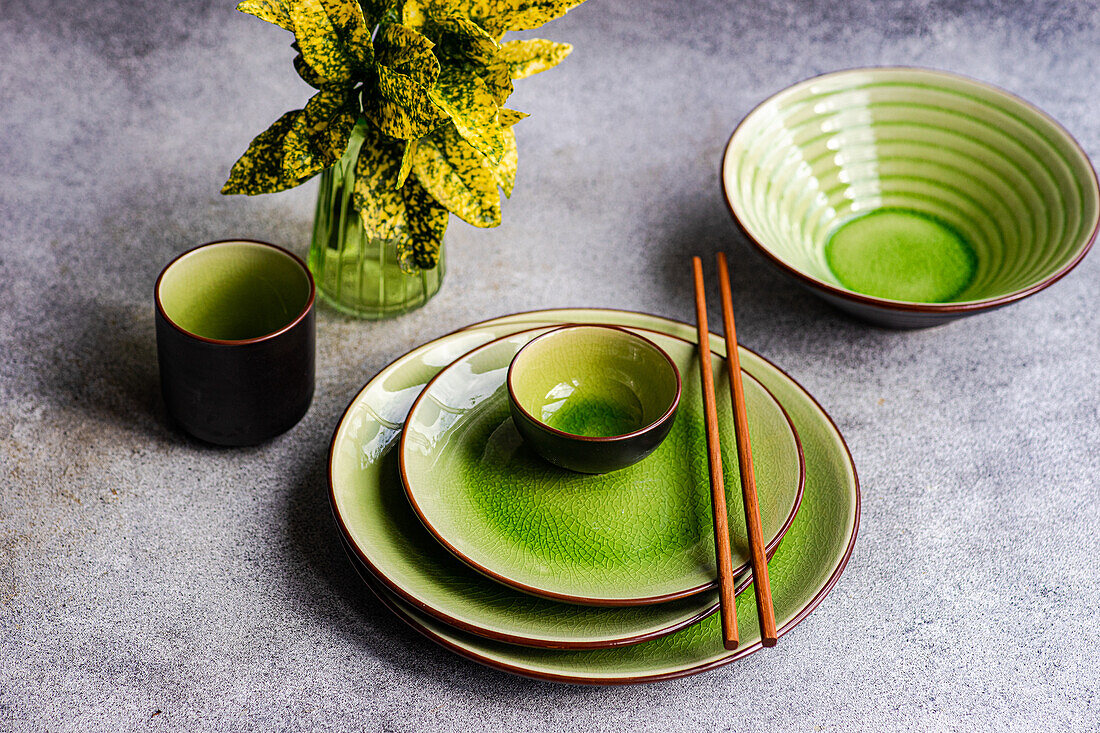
[593, 399]
[910, 197]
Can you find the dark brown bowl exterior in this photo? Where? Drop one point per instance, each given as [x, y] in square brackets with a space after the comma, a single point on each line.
[576, 453]
[888, 316]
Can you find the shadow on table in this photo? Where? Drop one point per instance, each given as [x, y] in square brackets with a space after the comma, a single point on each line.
[97, 322]
[342, 602]
[776, 317]
[760, 292]
[106, 368]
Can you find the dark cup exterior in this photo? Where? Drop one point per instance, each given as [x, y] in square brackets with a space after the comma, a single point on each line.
[583, 455]
[238, 393]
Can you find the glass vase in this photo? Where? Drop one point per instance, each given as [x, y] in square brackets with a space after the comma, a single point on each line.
[354, 273]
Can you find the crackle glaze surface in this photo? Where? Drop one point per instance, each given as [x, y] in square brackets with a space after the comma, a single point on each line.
[638, 535]
[803, 570]
[383, 532]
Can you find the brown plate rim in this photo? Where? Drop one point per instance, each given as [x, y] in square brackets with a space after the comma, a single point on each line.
[744, 580]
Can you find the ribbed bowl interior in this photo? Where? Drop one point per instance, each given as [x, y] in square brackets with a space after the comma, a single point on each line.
[1003, 174]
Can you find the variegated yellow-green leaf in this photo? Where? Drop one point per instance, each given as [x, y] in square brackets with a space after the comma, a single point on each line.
[407, 158]
[498, 16]
[319, 136]
[260, 169]
[462, 38]
[409, 213]
[452, 172]
[422, 10]
[529, 14]
[426, 221]
[505, 172]
[397, 97]
[397, 45]
[440, 7]
[413, 14]
[322, 48]
[495, 76]
[485, 14]
[311, 77]
[498, 80]
[423, 70]
[307, 74]
[472, 109]
[509, 117]
[458, 23]
[346, 17]
[380, 205]
[525, 58]
[400, 106]
[273, 11]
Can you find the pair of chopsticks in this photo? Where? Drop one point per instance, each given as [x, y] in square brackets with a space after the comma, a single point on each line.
[761, 585]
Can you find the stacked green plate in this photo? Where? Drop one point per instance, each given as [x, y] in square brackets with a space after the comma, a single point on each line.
[505, 627]
[637, 536]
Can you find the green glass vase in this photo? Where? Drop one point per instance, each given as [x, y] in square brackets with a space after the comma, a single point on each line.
[354, 273]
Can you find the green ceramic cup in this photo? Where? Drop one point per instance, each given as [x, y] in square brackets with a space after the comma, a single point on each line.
[593, 399]
[910, 197]
[235, 341]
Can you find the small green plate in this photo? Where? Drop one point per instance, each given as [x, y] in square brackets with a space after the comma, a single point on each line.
[636, 536]
[391, 545]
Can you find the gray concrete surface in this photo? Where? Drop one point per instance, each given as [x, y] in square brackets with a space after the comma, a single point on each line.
[150, 582]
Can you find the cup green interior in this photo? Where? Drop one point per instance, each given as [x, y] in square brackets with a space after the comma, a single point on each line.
[593, 381]
[233, 291]
[911, 185]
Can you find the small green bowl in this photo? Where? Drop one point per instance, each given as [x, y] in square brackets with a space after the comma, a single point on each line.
[910, 197]
[593, 399]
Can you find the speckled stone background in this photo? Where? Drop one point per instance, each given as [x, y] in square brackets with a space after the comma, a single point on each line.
[150, 582]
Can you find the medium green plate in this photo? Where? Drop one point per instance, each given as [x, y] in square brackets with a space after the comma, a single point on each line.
[388, 540]
[636, 536]
[803, 570]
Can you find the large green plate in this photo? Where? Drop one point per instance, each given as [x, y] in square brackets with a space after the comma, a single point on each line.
[804, 569]
[385, 536]
[636, 536]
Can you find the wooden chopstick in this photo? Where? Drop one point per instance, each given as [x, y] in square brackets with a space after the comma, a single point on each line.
[728, 609]
[761, 585]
